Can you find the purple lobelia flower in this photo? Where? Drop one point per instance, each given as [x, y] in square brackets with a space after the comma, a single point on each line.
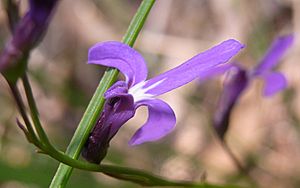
[26, 33]
[124, 97]
[239, 78]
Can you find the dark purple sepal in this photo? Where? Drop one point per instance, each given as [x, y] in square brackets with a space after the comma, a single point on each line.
[95, 148]
[237, 81]
[118, 109]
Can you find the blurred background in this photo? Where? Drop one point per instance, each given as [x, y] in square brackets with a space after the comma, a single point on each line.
[264, 133]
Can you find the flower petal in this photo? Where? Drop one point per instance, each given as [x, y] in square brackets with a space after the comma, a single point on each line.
[274, 54]
[199, 65]
[234, 85]
[121, 56]
[161, 121]
[274, 82]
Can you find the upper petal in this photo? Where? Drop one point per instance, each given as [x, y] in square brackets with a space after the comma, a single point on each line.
[121, 56]
[274, 82]
[275, 52]
[161, 121]
[199, 65]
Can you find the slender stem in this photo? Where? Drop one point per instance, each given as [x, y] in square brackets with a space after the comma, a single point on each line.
[34, 112]
[235, 160]
[128, 174]
[16, 93]
[242, 169]
[12, 11]
[95, 106]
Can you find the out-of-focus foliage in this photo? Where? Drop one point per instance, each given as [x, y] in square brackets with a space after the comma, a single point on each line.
[264, 133]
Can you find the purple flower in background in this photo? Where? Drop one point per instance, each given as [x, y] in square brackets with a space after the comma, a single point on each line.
[27, 32]
[124, 97]
[239, 78]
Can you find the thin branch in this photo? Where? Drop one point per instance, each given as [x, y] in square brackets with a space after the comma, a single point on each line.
[18, 99]
[34, 112]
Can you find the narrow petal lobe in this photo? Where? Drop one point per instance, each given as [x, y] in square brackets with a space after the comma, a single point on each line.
[202, 63]
[161, 121]
[274, 82]
[274, 54]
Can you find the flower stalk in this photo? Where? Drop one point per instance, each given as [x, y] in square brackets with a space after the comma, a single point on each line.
[29, 131]
[34, 112]
[124, 173]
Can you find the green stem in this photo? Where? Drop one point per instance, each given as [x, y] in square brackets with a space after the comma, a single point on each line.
[129, 174]
[22, 110]
[243, 170]
[12, 11]
[34, 112]
[96, 104]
